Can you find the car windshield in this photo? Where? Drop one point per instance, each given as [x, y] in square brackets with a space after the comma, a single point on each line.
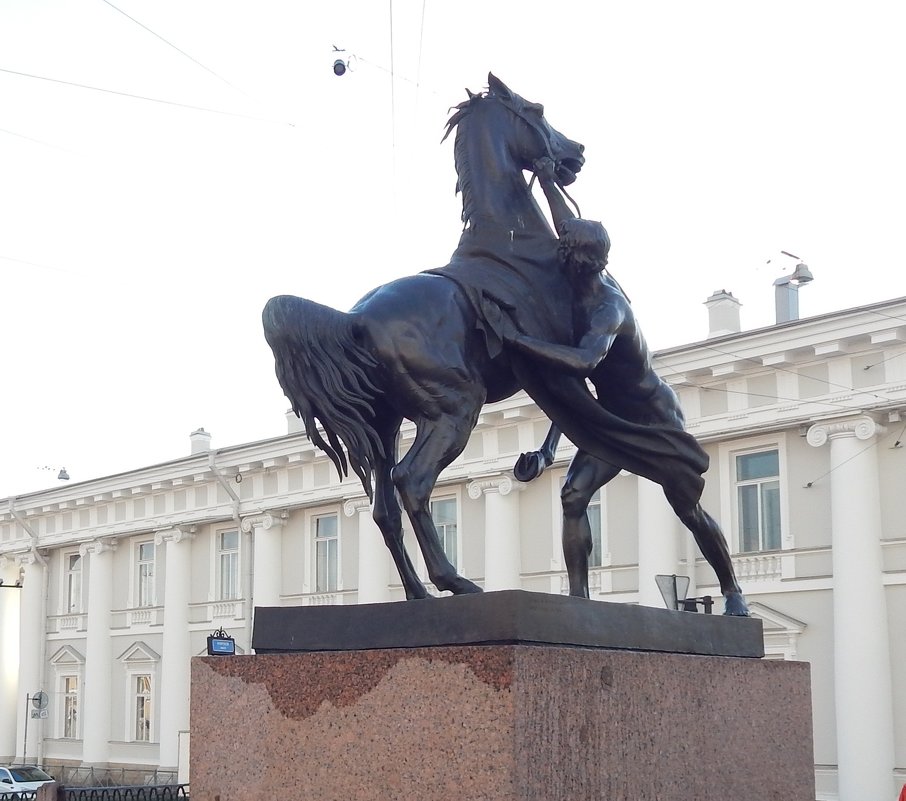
[29, 774]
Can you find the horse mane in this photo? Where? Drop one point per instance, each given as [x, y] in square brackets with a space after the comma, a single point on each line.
[460, 151]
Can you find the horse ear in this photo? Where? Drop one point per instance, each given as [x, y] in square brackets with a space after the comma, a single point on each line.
[498, 87]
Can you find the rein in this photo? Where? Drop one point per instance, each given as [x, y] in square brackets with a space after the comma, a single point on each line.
[533, 124]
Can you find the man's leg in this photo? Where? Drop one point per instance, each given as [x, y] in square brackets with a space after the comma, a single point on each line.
[713, 545]
[586, 475]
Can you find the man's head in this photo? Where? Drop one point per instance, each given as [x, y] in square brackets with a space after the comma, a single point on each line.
[584, 246]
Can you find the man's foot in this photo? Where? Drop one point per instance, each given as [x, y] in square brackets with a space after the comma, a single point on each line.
[735, 604]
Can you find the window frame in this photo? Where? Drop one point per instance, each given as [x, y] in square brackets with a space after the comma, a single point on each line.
[65, 696]
[139, 660]
[67, 663]
[137, 575]
[316, 541]
[728, 453]
[66, 594]
[133, 691]
[444, 497]
[236, 558]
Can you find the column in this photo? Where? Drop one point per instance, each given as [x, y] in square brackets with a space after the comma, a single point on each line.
[267, 550]
[374, 558]
[658, 546]
[173, 689]
[31, 635]
[9, 658]
[502, 546]
[862, 673]
[95, 704]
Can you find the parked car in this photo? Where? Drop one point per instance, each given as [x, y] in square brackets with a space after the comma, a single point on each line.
[15, 778]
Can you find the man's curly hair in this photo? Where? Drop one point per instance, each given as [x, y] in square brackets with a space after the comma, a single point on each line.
[584, 245]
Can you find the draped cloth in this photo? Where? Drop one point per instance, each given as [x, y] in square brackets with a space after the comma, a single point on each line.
[521, 275]
[518, 273]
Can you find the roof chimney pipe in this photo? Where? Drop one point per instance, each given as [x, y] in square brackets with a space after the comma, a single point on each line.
[786, 293]
[723, 314]
[201, 441]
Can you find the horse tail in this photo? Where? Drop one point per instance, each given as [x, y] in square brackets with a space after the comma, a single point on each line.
[325, 373]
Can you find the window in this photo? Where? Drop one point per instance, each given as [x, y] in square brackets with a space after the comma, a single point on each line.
[145, 578]
[326, 553]
[228, 565]
[443, 513]
[142, 707]
[758, 500]
[71, 707]
[594, 523]
[73, 582]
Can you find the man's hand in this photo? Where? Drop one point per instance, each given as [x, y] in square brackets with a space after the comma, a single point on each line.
[546, 170]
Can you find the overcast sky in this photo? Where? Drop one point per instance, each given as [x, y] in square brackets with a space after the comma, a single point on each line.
[141, 236]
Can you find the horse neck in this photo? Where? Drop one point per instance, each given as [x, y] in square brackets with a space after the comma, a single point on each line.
[495, 194]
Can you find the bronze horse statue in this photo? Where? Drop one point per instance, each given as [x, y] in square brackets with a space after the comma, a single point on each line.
[421, 347]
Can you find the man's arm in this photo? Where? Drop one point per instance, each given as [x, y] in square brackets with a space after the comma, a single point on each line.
[605, 326]
[579, 361]
[546, 172]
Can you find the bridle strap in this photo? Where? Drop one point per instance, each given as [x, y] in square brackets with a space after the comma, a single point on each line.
[547, 146]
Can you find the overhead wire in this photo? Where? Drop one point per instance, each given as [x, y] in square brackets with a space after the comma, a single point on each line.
[142, 97]
[874, 444]
[725, 391]
[36, 141]
[170, 44]
[34, 264]
[392, 92]
[787, 370]
[418, 69]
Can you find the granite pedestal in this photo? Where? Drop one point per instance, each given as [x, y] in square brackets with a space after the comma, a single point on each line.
[509, 718]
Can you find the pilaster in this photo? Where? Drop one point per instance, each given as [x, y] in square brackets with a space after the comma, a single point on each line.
[174, 675]
[267, 547]
[32, 615]
[9, 657]
[502, 546]
[96, 689]
[658, 542]
[374, 562]
[862, 672]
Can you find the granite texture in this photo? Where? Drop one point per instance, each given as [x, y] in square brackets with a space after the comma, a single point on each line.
[500, 723]
[503, 617]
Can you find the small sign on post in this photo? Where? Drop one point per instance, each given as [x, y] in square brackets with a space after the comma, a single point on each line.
[221, 644]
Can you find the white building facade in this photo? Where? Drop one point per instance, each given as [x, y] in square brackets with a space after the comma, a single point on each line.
[124, 577]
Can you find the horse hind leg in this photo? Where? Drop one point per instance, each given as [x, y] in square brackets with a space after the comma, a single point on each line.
[437, 443]
[388, 517]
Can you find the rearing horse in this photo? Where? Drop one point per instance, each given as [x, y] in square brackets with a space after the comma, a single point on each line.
[418, 348]
[427, 348]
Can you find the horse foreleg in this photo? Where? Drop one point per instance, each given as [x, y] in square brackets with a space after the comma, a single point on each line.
[532, 464]
[437, 443]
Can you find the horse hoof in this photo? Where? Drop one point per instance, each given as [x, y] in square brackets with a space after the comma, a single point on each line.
[528, 467]
[735, 605]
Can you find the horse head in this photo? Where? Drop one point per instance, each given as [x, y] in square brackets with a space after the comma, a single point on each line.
[499, 136]
[537, 138]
